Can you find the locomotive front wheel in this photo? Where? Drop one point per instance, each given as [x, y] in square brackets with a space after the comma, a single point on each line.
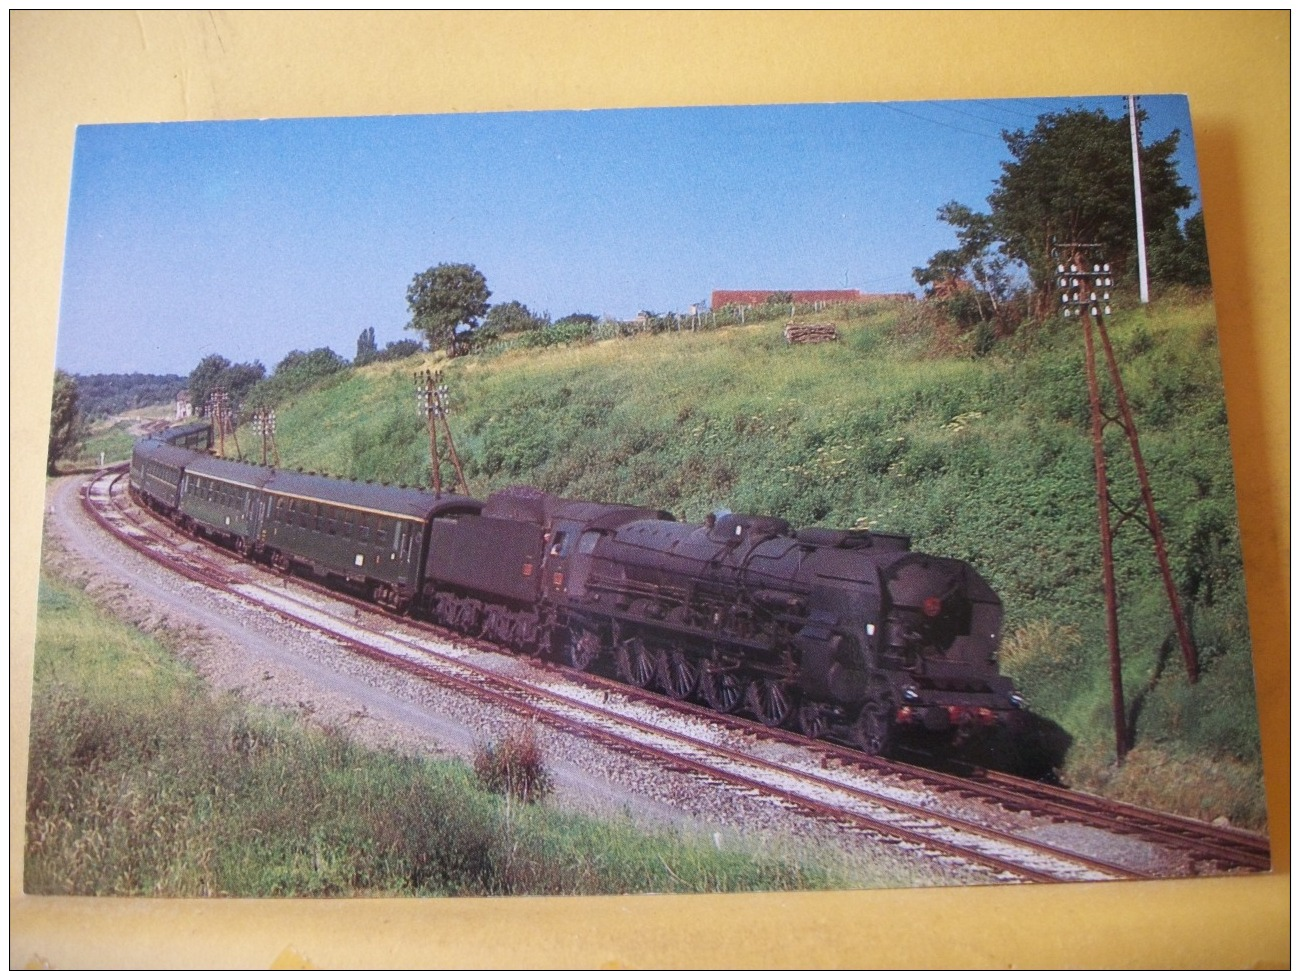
[677, 674]
[722, 690]
[873, 732]
[242, 548]
[636, 662]
[580, 649]
[770, 702]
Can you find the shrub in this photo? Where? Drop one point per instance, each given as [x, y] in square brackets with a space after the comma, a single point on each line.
[514, 766]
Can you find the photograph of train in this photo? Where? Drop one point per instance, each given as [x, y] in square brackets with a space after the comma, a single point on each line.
[686, 500]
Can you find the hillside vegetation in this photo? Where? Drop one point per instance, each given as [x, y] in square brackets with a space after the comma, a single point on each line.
[899, 426]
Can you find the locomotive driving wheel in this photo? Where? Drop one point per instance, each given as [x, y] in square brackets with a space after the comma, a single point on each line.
[813, 720]
[723, 690]
[873, 732]
[636, 662]
[770, 702]
[677, 675]
[580, 649]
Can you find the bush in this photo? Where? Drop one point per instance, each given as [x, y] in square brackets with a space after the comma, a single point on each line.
[514, 767]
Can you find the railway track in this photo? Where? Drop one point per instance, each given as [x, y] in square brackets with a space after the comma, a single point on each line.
[1005, 828]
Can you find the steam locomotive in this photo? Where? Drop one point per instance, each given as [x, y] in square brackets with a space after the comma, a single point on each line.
[843, 634]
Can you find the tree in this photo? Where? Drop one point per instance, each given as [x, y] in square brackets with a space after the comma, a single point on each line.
[447, 301]
[396, 350]
[206, 376]
[975, 267]
[367, 350]
[1178, 254]
[507, 318]
[1071, 181]
[583, 320]
[67, 429]
[215, 371]
[312, 364]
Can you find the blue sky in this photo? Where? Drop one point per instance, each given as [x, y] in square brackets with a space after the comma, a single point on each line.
[252, 239]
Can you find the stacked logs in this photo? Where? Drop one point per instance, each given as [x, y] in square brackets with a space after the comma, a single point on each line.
[810, 333]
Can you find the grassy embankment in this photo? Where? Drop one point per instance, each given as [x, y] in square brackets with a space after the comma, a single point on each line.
[142, 783]
[898, 426]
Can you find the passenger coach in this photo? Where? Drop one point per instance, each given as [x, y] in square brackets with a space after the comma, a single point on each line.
[370, 536]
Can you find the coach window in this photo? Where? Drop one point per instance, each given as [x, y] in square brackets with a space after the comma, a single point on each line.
[348, 517]
[559, 548]
[381, 532]
[363, 530]
[331, 520]
[588, 541]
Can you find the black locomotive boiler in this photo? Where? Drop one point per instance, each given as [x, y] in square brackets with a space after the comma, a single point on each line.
[839, 633]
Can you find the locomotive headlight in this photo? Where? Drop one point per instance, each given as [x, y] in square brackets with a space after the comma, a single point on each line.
[911, 693]
[932, 606]
[1017, 700]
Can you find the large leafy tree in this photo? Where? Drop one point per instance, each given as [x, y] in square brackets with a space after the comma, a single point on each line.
[1070, 180]
[215, 371]
[508, 318]
[446, 303]
[67, 430]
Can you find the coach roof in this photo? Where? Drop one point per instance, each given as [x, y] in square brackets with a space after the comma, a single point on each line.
[240, 473]
[393, 500]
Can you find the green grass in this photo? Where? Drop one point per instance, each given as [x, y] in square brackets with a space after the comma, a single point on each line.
[141, 783]
[898, 426]
[113, 440]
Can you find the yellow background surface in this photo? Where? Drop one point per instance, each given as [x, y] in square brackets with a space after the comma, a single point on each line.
[72, 68]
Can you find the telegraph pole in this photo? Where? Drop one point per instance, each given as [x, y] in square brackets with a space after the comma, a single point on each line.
[222, 414]
[1144, 291]
[434, 401]
[1085, 282]
[264, 425]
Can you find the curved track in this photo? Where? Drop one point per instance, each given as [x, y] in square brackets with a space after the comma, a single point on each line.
[1007, 828]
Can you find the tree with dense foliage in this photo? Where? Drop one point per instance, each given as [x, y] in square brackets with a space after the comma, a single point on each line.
[513, 317]
[1069, 180]
[582, 320]
[446, 302]
[316, 364]
[101, 395]
[215, 371]
[1178, 254]
[298, 371]
[396, 350]
[67, 429]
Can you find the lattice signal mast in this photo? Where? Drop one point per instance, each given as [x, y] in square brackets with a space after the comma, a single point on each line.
[434, 400]
[1085, 281]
